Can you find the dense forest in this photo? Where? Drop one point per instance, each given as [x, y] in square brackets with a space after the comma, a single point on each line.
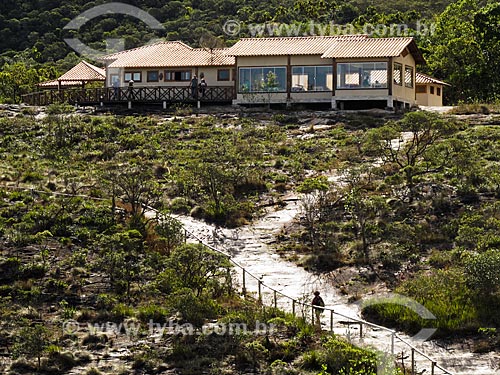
[462, 49]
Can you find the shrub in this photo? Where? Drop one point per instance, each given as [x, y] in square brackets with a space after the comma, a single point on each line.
[152, 312]
[483, 272]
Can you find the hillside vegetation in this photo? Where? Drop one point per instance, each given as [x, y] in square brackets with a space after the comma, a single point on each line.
[85, 276]
[412, 200]
[462, 48]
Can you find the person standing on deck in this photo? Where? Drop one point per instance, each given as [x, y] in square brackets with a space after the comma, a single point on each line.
[194, 87]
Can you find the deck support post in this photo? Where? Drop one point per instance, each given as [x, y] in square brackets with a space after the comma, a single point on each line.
[334, 103]
[129, 104]
[164, 104]
[198, 104]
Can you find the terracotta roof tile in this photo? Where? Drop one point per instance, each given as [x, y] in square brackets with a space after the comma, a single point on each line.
[424, 78]
[169, 54]
[373, 48]
[311, 45]
[82, 72]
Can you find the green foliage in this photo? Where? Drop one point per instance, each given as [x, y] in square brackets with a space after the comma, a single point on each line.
[200, 269]
[463, 31]
[443, 292]
[483, 272]
[414, 155]
[170, 231]
[192, 308]
[32, 341]
[121, 259]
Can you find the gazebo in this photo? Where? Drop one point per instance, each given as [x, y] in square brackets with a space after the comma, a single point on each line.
[78, 76]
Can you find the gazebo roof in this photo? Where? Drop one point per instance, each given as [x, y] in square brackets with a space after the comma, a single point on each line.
[80, 73]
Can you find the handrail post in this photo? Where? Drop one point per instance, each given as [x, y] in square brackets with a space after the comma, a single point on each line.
[244, 291]
[393, 336]
[360, 330]
[275, 300]
[331, 320]
[412, 361]
[293, 307]
[433, 364]
[312, 315]
[260, 291]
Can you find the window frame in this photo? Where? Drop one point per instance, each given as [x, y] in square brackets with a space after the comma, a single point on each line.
[133, 76]
[398, 66]
[431, 90]
[410, 84]
[315, 67]
[172, 73]
[113, 78]
[280, 89]
[157, 76]
[220, 79]
[438, 91]
[361, 76]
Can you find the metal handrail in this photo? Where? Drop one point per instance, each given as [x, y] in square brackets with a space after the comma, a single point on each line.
[393, 333]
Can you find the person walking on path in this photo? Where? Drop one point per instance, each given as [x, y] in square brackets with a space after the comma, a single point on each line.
[319, 305]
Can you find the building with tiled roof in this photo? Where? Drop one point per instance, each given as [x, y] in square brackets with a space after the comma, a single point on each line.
[429, 90]
[343, 71]
[169, 64]
[348, 71]
[79, 75]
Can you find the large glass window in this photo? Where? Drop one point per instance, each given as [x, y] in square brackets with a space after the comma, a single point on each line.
[408, 76]
[362, 75]
[262, 79]
[312, 78]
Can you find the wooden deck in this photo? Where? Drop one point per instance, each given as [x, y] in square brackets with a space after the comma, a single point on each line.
[152, 95]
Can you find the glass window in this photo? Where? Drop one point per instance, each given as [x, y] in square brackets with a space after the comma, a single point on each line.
[312, 78]
[262, 79]
[223, 75]
[432, 89]
[135, 76]
[115, 80]
[398, 74]
[362, 75]
[177, 75]
[153, 76]
[408, 76]
[438, 92]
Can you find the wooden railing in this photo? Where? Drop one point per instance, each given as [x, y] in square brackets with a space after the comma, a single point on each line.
[110, 95]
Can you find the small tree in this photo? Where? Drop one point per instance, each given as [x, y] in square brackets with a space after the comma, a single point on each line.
[200, 269]
[412, 155]
[270, 85]
[315, 192]
[121, 259]
[32, 341]
[170, 231]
